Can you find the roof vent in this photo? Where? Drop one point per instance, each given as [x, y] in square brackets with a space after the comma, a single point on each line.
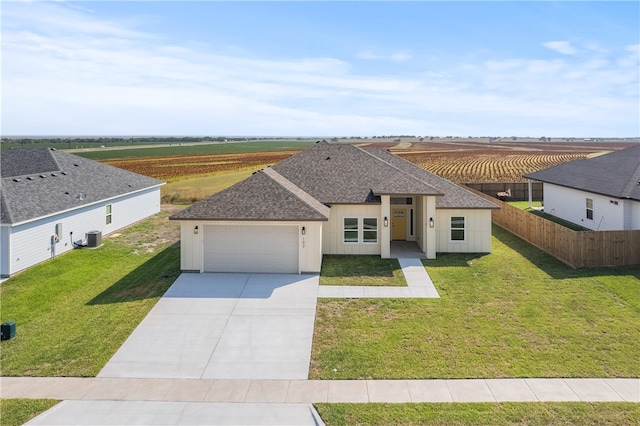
[328, 158]
[16, 180]
[66, 192]
[43, 176]
[64, 173]
[53, 174]
[75, 165]
[29, 178]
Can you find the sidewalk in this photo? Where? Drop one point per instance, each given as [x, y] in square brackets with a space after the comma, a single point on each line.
[419, 286]
[312, 391]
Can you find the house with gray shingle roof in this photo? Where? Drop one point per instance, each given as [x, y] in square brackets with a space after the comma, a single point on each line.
[330, 199]
[52, 202]
[600, 193]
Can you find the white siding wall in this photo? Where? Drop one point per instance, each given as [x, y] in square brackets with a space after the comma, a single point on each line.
[5, 251]
[32, 242]
[477, 235]
[309, 250]
[631, 214]
[332, 238]
[570, 204]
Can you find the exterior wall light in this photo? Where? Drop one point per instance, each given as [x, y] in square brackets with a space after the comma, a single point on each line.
[431, 223]
[386, 221]
[195, 229]
[303, 230]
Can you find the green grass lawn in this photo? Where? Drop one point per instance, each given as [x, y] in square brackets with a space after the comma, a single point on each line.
[72, 313]
[195, 149]
[15, 412]
[524, 205]
[187, 191]
[451, 414]
[515, 313]
[361, 271]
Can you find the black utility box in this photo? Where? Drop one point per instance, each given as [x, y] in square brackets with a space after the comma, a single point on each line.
[8, 330]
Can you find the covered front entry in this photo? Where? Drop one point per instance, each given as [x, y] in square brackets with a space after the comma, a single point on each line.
[410, 218]
[251, 248]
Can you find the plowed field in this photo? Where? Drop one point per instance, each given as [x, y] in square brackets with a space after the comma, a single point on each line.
[173, 168]
[458, 161]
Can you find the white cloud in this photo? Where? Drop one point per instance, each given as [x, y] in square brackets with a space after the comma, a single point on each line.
[563, 47]
[399, 56]
[110, 78]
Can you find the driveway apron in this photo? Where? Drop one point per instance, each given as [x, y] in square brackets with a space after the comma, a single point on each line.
[224, 326]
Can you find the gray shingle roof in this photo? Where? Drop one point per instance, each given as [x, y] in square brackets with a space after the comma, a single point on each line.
[38, 182]
[346, 174]
[616, 174]
[265, 195]
[454, 196]
[301, 187]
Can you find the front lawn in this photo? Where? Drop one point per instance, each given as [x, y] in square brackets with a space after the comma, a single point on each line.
[511, 413]
[72, 313]
[15, 412]
[515, 313]
[361, 271]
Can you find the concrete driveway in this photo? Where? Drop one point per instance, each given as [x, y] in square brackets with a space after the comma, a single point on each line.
[224, 326]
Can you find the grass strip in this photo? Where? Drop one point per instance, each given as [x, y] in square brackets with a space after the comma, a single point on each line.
[15, 412]
[361, 271]
[515, 313]
[72, 313]
[494, 414]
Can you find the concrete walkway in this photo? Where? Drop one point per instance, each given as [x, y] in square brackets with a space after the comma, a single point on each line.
[419, 286]
[312, 391]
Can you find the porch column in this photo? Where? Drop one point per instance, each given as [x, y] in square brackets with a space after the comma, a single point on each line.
[430, 233]
[385, 231]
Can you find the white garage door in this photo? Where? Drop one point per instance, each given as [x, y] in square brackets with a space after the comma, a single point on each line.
[264, 249]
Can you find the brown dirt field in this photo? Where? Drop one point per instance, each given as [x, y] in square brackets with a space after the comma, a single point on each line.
[172, 168]
[459, 160]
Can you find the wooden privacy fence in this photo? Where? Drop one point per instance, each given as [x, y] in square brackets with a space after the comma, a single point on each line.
[519, 190]
[578, 249]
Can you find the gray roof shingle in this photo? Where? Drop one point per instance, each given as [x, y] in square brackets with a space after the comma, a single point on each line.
[265, 195]
[616, 174]
[38, 182]
[454, 196]
[301, 187]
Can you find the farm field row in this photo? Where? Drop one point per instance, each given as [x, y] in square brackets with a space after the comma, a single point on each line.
[460, 162]
[177, 167]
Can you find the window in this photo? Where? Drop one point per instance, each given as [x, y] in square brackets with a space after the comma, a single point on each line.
[350, 230]
[589, 209]
[370, 230]
[457, 228]
[108, 214]
[402, 200]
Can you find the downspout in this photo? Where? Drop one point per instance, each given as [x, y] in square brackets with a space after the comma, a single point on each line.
[530, 190]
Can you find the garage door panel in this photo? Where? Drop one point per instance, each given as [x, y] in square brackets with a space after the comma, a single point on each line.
[251, 248]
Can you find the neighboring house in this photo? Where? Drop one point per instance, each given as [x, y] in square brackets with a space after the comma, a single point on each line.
[330, 199]
[600, 193]
[52, 201]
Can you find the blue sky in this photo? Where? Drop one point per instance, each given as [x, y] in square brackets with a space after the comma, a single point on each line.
[321, 68]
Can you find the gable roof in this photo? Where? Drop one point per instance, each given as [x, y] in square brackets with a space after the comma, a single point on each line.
[616, 174]
[265, 195]
[303, 185]
[346, 174]
[38, 182]
[454, 196]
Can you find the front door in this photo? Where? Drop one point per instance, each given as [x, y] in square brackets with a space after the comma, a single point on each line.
[399, 224]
